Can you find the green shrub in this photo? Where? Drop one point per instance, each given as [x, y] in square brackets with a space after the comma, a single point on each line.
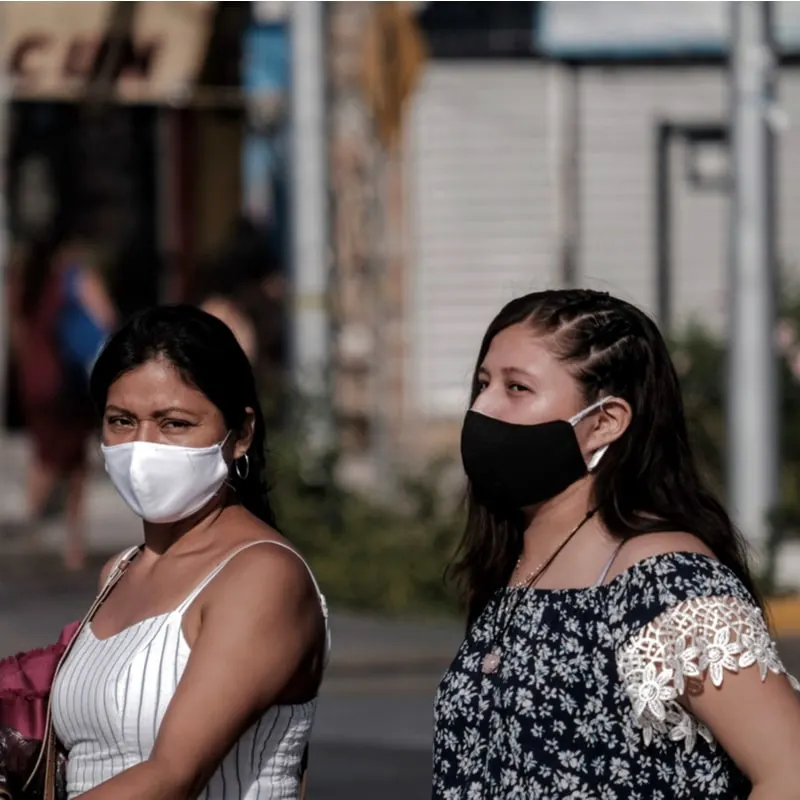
[700, 359]
[369, 556]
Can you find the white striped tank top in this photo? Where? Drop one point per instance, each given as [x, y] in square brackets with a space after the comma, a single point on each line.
[110, 697]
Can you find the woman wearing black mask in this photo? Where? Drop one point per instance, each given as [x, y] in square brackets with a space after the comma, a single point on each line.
[616, 644]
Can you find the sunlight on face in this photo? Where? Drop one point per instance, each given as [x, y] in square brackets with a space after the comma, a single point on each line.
[522, 382]
[152, 403]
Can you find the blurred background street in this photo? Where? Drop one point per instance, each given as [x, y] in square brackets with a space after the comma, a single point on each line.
[356, 188]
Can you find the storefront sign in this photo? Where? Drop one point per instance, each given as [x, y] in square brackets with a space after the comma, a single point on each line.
[51, 49]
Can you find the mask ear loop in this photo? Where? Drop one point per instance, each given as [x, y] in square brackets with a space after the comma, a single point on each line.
[594, 461]
[597, 456]
[581, 415]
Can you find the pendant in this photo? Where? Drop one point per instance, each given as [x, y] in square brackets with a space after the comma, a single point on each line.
[491, 661]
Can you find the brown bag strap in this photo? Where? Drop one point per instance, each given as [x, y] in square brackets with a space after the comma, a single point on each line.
[48, 750]
[304, 774]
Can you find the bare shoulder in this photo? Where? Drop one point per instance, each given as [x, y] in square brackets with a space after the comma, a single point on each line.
[656, 544]
[268, 568]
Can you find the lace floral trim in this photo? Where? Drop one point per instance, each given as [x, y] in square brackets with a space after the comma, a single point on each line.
[701, 636]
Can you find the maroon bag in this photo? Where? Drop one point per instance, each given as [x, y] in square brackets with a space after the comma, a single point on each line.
[31, 762]
[25, 681]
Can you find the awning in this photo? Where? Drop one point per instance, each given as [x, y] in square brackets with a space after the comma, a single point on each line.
[52, 48]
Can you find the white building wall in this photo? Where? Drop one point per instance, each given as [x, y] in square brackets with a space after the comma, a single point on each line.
[484, 196]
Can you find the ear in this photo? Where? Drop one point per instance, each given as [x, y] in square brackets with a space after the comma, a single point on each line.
[608, 424]
[244, 436]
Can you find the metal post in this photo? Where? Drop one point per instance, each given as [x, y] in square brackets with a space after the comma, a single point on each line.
[570, 254]
[309, 316]
[664, 227]
[5, 99]
[752, 389]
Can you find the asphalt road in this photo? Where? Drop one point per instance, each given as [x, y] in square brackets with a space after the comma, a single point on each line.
[352, 772]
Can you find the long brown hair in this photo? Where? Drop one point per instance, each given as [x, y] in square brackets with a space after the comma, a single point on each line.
[648, 480]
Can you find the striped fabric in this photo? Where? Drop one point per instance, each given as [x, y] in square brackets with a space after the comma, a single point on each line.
[111, 694]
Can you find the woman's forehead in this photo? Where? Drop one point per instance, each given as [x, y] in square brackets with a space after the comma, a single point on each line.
[519, 347]
[156, 383]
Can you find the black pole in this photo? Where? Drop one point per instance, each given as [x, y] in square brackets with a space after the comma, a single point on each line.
[663, 228]
[770, 161]
[572, 180]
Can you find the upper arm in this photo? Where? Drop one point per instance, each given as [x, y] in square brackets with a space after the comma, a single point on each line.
[709, 667]
[756, 719]
[260, 628]
[95, 299]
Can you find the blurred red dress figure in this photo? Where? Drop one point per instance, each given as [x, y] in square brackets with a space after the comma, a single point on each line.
[51, 294]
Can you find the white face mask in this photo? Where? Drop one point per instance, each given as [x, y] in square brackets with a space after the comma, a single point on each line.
[165, 482]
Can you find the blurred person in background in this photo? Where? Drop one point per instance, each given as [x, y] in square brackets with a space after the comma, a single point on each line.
[225, 309]
[216, 635]
[617, 645]
[242, 285]
[60, 314]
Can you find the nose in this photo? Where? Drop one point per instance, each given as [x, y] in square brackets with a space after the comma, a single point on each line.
[488, 402]
[147, 431]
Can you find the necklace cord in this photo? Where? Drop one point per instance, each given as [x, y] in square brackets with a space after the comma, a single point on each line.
[499, 634]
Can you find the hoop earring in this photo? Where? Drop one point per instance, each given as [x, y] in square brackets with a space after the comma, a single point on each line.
[242, 474]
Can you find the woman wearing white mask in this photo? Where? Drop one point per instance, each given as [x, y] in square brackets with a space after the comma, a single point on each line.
[616, 646]
[199, 674]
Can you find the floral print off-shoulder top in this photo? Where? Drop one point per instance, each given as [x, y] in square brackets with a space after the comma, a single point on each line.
[584, 704]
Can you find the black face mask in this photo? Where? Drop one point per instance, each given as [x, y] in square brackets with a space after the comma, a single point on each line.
[515, 466]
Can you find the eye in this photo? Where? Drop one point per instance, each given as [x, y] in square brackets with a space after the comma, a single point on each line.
[482, 384]
[176, 424]
[517, 388]
[117, 421]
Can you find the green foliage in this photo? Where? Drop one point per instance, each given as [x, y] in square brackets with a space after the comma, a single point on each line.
[367, 555]
[700, 360]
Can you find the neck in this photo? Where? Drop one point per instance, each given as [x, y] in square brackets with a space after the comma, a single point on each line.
[550, 522]
[161, 537]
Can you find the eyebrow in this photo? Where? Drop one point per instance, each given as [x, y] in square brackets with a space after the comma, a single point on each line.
[510, 371]
[518, 371]
[162, 412]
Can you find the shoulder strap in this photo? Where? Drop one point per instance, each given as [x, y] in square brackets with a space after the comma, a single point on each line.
[47, 752]
[604, 574]
[224, 563]
[213, 574]
[125, 558]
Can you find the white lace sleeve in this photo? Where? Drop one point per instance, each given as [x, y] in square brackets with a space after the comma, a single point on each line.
[703, 636]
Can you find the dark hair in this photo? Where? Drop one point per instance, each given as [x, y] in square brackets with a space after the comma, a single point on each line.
[207, 356]
[648, 480]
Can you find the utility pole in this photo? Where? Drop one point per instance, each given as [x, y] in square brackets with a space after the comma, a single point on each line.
[309, 314]
[5, 99]
[752, 389]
